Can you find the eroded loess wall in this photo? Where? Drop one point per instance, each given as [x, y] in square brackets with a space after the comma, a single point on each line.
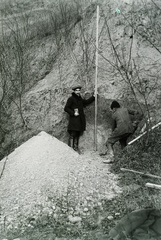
[128, 70]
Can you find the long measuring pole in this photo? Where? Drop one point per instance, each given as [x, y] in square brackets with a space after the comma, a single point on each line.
[96, 76]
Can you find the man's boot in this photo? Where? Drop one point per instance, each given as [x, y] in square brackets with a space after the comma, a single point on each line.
[76, 143]
[71, 142]
[110, 155]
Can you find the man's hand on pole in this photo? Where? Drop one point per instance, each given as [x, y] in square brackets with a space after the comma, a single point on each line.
[95, 93]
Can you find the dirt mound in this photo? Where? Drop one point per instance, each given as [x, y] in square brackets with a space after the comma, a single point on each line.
[37, 164]
[44, 167]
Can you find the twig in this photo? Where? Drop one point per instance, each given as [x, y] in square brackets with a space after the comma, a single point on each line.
[156, 5]
[141, 173]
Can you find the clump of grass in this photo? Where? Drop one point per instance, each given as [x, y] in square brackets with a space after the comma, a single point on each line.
[143, 155]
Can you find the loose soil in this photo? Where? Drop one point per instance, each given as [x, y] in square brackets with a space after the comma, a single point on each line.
[43, 170]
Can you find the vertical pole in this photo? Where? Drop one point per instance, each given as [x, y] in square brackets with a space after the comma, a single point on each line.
[95, 127]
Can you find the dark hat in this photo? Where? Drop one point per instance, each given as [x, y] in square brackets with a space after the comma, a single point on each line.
[115, 104]
[76, 87]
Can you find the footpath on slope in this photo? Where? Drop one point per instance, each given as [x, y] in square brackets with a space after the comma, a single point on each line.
[44, 167]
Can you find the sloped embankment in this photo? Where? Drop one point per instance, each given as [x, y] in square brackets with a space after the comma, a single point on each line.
[44, 167]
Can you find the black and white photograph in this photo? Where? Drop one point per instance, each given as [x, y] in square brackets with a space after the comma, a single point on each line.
[80, 119]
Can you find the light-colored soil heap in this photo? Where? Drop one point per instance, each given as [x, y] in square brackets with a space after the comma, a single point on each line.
[44, 167]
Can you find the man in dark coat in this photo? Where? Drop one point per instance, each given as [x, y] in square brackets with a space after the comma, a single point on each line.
[122, 127]
[77, 122]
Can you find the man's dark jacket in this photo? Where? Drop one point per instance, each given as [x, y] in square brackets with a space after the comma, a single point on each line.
[121, 122]
[77, 123]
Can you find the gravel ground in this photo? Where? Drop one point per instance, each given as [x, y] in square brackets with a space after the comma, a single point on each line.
[44, 167]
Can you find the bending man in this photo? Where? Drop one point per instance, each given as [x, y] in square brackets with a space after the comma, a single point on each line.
[122, 128]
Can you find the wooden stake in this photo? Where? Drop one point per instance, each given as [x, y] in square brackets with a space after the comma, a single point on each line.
[96, 76]
[134, 140]
[152, 185]
[141, 173]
